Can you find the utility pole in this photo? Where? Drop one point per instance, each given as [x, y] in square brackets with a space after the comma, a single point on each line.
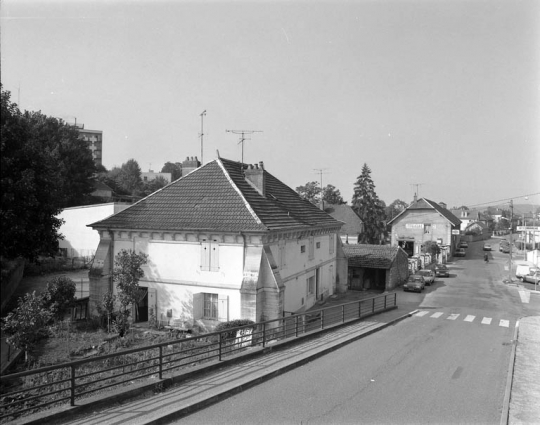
[242, 134]
[203, 114]
[510, 257]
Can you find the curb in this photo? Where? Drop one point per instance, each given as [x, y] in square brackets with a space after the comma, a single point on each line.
[509, 379]
[165, 419]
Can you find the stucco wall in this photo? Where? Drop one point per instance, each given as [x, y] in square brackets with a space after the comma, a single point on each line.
[79, 240]
[408, 225]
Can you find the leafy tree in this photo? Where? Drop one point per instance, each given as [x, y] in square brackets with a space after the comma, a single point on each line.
[369, 208]
[153, 185]
[26, 325]
[395, 208]
[175, 170]
[126, 275]
[31, 188]
[310, 191]
[332, 195]
[129, 178]
[60, 296]
[432, 248]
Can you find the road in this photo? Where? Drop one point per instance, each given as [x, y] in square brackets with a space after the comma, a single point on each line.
[446, 364]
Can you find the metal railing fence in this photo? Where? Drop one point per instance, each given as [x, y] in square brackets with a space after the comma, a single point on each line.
[31, 390]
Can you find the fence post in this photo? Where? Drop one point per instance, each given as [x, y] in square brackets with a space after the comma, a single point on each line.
[359, 309]
[296, 326]
[373, 306]
[219, 346]
[385, 302]
[343, 313]
[264, 334]
[395, 298]
[160, 362]
[72, 385]
[322, 319]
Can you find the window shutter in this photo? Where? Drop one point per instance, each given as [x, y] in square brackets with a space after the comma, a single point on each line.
[214, 256]
[152, 300]
[205, 255]
[223, 308]
[311, 253]
[198, 306]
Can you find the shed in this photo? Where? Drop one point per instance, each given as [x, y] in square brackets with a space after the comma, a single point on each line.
[382, 267]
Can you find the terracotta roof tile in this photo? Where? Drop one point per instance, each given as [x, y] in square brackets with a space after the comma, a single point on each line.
[371, 256]
[217, 197]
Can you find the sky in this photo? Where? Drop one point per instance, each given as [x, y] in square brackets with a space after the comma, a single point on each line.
[437, 97]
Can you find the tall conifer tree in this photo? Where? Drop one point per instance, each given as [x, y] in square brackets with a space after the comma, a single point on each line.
[369, 208]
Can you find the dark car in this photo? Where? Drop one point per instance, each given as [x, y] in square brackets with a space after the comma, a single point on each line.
[442, 271]
[487, 247]
[505, 249]
[460, 252]
[463, 244]
[414, 283]
[428, 275]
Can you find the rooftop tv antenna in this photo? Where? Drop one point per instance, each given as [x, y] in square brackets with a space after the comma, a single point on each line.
[243, 137]
[320, 172]
[203, 114]
[417, 193]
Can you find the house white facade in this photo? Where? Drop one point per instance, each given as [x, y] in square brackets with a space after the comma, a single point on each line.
[80, 240]
[225, 242]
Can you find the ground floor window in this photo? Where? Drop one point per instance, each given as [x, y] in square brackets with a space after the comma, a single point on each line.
[311, 285]
[210, 306]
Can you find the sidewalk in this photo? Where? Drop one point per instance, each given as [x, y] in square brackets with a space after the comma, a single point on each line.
[524, 405]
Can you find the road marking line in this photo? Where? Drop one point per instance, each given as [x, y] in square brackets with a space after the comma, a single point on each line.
[422, 313]
[504, 323]
[436, 315]
[486, 321]
[452, 317]
[469, 318]
[525, 296]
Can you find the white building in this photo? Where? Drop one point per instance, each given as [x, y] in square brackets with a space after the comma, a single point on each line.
[227, 241]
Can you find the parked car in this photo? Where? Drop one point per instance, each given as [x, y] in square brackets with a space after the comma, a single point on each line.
[487, 247]
[505, 249]
[460, 252]
[463, 244]
[428, 275]
[415, 283]
[442, 271]
[533, 277]
[525, 269]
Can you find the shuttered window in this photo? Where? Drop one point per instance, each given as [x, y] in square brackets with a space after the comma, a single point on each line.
[210, 255]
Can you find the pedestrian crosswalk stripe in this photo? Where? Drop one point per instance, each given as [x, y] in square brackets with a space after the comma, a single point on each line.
[436, 315]
[525, 296]
[469, 318]
[453, 317]
[422, 313]
[504, 323]
[486, 321]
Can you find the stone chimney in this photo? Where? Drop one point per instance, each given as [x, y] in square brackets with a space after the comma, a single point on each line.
[254, 175]
[442, 204]
[189, 165]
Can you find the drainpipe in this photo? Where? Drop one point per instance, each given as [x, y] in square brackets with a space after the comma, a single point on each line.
[111, 261]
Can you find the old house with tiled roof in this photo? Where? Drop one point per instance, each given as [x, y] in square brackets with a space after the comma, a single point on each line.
[379, 267]
[425, 220]
[467, 217]
[353, 225]
[226, 241]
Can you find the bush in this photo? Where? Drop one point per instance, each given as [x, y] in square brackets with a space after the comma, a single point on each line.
[233, 324]
[60, 296]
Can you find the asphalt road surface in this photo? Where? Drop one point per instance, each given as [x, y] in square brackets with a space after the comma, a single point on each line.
[446, 364]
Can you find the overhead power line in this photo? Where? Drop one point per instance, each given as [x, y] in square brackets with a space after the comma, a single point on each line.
[504, 200]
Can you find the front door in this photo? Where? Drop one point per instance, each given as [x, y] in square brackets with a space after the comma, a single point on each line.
[142, 305]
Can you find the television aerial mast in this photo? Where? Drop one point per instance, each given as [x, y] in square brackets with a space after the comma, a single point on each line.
[243, 137]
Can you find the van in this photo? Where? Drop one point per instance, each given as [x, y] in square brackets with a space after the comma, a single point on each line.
[523, 270]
